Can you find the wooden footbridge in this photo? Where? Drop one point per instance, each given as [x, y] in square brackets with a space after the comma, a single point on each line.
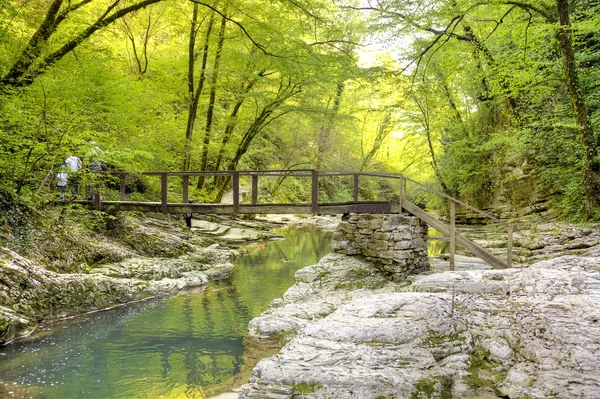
[251, 205]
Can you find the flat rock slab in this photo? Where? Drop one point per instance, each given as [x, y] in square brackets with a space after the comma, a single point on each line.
[518, 333]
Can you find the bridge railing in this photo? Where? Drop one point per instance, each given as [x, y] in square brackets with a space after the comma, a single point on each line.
[315, 204]
[453, 203]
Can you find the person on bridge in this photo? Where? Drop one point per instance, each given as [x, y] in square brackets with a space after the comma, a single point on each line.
[61, 181]
[188, 218]
[94, 160]
[73, 164]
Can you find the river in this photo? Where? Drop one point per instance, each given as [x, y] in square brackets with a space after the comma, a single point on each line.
[187, 346]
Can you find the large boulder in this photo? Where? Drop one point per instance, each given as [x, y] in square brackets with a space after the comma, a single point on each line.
[29, 293]
[517, 333]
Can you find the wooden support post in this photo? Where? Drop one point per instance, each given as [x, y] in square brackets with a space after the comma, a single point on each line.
[509, 247]
[98, 201]
[315, 192]
[236, 192]
[186, 189]
[122, 188]
[452, 234]
[402, 192]
[254, 189]
[163, 193]
[355, 187]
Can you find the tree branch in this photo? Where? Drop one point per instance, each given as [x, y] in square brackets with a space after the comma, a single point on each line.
[69, 46]
[307, 12]
[254, 42]
[544, 13]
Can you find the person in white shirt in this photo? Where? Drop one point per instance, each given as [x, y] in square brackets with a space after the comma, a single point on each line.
[73, 164]
[61, 181]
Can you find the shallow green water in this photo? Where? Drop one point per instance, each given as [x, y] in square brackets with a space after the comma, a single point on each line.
[170, 348]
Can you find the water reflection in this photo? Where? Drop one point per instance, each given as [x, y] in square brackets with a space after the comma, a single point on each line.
[437, 243]
[173, 348]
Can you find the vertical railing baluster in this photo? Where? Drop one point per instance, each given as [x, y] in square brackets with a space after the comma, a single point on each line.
[254, 189]
[402, 192]
[98, 200]
[122, 187]
[452, 234]
[356, 187]
[315, 192]
[236, 192]
[163, 193]
[186, 188]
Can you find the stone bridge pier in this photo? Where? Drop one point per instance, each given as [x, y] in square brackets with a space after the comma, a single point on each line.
[395, 243]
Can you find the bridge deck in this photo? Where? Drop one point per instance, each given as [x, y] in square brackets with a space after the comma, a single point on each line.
[294, 209]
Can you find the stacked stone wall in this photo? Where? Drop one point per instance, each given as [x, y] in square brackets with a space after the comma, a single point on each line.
[396, 244]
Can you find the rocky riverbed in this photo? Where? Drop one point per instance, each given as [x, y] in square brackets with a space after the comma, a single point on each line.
[79, 270]
[531, 332]
[536, 240]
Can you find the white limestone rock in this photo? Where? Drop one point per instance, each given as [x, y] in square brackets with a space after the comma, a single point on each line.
[519, 333]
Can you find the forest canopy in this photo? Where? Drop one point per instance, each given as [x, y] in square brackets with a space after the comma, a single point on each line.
[492, 102]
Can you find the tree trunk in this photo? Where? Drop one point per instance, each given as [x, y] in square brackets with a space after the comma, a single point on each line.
[324, 138]
[286, 91]
[590, 143]
[424, 108]
[232, 121]
[385, 127]
[195, 93]
[211, 103]
[34, 47]
[480, 47]
[29, 66]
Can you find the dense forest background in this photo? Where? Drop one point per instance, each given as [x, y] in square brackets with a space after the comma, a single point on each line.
[492, 102]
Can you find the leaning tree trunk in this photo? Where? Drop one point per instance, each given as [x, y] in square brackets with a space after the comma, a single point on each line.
[324, 138]
[30, 64]
[590, 143]
[194, 93]
[211, 102]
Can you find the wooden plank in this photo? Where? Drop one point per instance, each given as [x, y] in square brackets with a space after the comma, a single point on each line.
[509, 247]
[283, 209]
[402, 193]
[482, 213]
[275, 172]
[163, 193]
[460, 240]
[186, 188]
[254, 189]
[236, 192]
[356, 187]
[337, 174]
[281, 174]
[122, 188]
[315, 192]
[452, 234]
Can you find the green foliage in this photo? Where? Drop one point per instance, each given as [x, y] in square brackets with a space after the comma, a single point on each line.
[15, 221]
[485, 101]
[432, 387]
[304, 388]
[477, 362]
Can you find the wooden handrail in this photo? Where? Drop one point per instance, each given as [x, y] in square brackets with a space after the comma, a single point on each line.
[314, 205]
[287, 172]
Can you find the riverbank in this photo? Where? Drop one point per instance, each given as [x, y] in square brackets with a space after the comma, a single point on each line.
[78, 262]
[527, 332]
[191, 344]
